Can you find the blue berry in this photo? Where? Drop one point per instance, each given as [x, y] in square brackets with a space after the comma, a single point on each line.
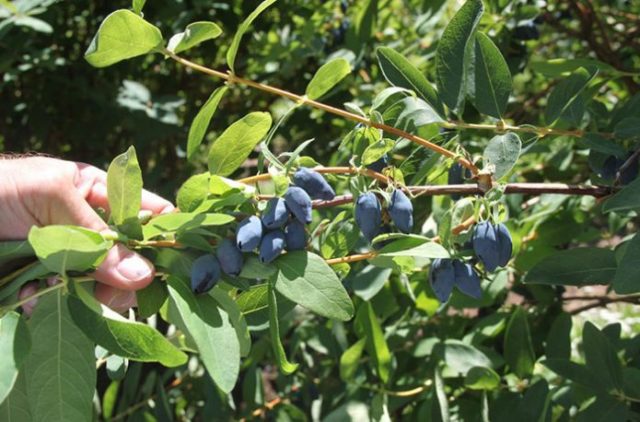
[401, 211]
[299, 204]
[368, 215]
[505, 244]
[229, 257]
[205, 273]
[313, 183]
[295, 236]
[276, 214]
[380, 164]
[467, 280]
[249, 234]
[485, 245]
[443, 278]
[272, 245]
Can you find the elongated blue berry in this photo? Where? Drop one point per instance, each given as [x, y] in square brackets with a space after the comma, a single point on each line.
[205, 273]
[401, 211]
[368, 215]
[295, 236]
[249, 234]
[313, 183]
[443, 278]
[276, 214]
[299, 204]
[485, 245]
[467, 280]
[273, 243]
[505, 244]
[229, 257]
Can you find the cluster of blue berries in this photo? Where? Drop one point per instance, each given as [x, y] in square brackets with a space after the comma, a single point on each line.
[368, 213]
[280, 227]
[492, 246]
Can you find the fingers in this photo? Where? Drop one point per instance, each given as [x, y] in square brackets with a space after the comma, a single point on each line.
[116, 299]
[125, 270]
[92, 184]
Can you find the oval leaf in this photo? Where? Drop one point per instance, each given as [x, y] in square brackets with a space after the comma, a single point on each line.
[627, 199]
[327, 77]
[200, 123]
[566, 93]
[452, 56]
[15, 343]
[274, 330]
[307, 280]
[122, 35]
[124, 191]
[502, 153]
[518, 348]
[576, 267]
[235, 43]
[236, 143]
[492, 78]
[398, 71]
[627, 276]
[194, 34]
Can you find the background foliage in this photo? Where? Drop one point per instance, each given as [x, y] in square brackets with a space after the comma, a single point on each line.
[528, 351]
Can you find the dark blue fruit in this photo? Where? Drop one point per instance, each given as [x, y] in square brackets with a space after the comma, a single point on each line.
[609, 168]
[456, 172]
[229, 257]
[313, 183]
[249, 234]
[630, 173]
[273, 243]
[505, 244]
[401, 211]
[205, 273]
[368, 215]
[299, 204]
[295, 236]
[526, 32]
[276, 214]
[485, 245]
[380, 164]
[443, 278]
[467, 280]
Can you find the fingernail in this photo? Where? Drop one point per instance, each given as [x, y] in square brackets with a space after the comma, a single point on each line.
[134, 268]
[28, 290]
[168, 209]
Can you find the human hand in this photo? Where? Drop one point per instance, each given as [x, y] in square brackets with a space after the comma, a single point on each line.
[40, 191]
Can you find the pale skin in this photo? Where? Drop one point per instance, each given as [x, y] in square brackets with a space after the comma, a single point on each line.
[40, 191]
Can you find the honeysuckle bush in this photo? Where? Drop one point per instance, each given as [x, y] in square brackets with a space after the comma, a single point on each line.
[465, 314]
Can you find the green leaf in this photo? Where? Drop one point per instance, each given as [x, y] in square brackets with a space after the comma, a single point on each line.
[16, 406]
[575, 267]
[60, 371]
[563, 67]
[184, 221]
[369, 281]
[407, 247]
[598, 143]
[15, 343]
[601, 358]
[628, 128]
[151, 298]
[137, 6]
[454, 50]
[502, 152]
[492, 78]
[350, 360]
[235, 144]
[559, 338]
[254, 268]
[627, 199]
[577, 373]
[122, 35]
[626, 279]
[194, 34]
[482, 378]
[274, 330]
[377, 150]
[399, 72]
[307, 280]
[212, 331]
[375, 342]
[124, 190]
[68, 248]
[125, 338]
[236, 318]
[327, 77]
[193, 192]
[604, 409]
[14, 249]
[242, 28]
[534, 406]
[460, 357]
[518, 348]
[566, 93]
[201, 122]
[366, 20]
